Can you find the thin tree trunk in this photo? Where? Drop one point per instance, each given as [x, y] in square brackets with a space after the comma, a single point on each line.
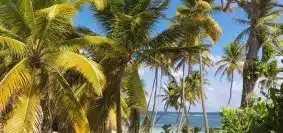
[154, 98]
[156, 112]
[181, 120]
[155, 92]
[152, 89]
[178, 119]
[189, 108]
[202, 96]
[189, 66]
[231, 88]
[184, 97]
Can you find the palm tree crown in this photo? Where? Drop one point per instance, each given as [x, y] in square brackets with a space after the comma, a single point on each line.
[233, 60]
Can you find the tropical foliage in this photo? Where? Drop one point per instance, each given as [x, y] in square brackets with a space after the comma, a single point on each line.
[57, 76]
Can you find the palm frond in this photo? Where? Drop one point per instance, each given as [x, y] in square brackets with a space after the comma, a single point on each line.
[8, 33]
[172, 50]
[212, 28]
[27, 115]
[26, 11]
[67, 102]
[243, 34]
[89, 69]
[16, 22]
[241, 21]
[99, 4]
[18, 78]
[89, 41]
[53, 23]
[134, 89]
[168, 37]
[15, 46]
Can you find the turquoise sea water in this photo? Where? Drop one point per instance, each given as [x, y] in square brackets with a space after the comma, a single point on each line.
[195, 119]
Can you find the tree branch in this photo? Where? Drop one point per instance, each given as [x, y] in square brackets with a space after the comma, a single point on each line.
[276, 4]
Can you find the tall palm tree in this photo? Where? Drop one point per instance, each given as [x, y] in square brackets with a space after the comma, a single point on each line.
[231, 61]
[38, 36]
[130, 24]
[196, 14]
[261, 14]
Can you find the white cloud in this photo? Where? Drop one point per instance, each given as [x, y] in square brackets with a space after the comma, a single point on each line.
[214, 58]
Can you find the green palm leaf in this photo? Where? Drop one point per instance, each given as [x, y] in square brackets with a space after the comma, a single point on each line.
[99, 4]
[134, 89]
[67, 102]
[27, 115]
[16, 79]
[15, 46]
[89, 69]
[53, 23]
[89, 41]
[26, 11]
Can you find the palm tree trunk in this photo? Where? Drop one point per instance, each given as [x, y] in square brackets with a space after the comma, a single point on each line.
[178, 119]
[181, 119]
[152, 89]
[189, 66]
[154, 98]
[189, 108]
[249, 76]
[231, 88]
[156, 112]
[202, 96]
[47, 117]
[117, 87]
[183, 96]
[135, 121]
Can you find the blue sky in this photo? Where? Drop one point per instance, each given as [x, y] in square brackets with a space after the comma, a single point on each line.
[218, 91]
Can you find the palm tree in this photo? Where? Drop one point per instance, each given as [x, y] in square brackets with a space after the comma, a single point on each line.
[229, 63]
[130, 24]
[171, 96]
[193, 93]
[195, 14]
[173, 93]
[261, 14]
[39, 36]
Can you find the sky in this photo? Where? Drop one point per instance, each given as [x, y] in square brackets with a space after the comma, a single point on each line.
[218, 91]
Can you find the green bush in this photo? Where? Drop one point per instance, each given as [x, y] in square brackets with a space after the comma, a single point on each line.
[264, 116]
[248, 120]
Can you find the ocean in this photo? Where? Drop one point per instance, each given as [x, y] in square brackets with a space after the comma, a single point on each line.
[195, 119]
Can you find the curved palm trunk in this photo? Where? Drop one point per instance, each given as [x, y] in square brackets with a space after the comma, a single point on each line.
[202, 97]
[231, 88]
[183, 96]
